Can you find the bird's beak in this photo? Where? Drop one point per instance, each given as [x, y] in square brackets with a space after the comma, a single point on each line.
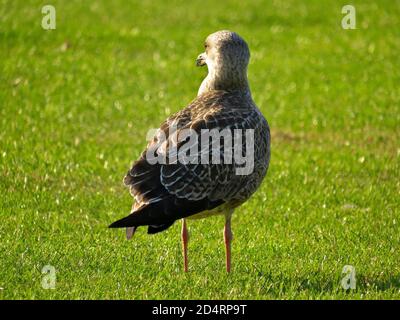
[201, 60]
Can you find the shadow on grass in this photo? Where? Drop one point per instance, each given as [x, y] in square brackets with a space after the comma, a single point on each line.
[274, 283]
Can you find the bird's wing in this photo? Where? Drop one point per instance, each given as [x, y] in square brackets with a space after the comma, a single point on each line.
[169, 191]
[143, 178]
[215, 181]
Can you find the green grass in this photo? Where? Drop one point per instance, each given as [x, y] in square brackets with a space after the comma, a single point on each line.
[75, 106]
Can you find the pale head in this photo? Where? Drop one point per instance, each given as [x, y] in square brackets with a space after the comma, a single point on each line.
[226, 56]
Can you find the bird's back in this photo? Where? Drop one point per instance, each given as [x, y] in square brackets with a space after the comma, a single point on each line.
[165, 192]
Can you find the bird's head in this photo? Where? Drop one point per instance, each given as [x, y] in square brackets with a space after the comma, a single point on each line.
[224, 49]
[226, 56]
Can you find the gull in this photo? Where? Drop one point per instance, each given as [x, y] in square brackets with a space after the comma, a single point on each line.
[169, 190]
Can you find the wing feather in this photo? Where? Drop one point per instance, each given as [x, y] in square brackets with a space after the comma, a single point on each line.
[168, 191]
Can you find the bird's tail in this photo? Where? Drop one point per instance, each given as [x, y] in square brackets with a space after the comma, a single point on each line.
[145, 216]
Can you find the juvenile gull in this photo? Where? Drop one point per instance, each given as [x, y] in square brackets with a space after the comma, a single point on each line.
[167, 191]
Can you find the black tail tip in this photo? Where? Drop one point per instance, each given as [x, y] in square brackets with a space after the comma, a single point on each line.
[113, 225]
[122, 223]
[128, 221]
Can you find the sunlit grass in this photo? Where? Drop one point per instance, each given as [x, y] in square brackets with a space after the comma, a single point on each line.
[75, 106]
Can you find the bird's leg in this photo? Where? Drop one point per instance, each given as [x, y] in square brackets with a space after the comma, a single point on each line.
[185, 239]
[228, 239]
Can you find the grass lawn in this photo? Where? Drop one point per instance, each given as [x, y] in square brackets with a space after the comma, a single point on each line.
[76, 104]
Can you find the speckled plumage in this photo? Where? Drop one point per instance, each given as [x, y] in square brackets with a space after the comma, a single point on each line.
[167, 192]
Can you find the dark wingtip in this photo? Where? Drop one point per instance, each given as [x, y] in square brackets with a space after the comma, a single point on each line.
[114, 225]
[122, 223]
[158, 228]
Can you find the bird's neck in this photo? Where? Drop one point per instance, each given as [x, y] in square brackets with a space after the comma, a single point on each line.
[225, 80]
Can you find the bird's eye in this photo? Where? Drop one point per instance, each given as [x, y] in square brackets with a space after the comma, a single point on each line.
[205, 45]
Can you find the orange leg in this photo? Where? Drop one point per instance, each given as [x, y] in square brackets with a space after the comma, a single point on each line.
[185, 239]
[228, 239]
